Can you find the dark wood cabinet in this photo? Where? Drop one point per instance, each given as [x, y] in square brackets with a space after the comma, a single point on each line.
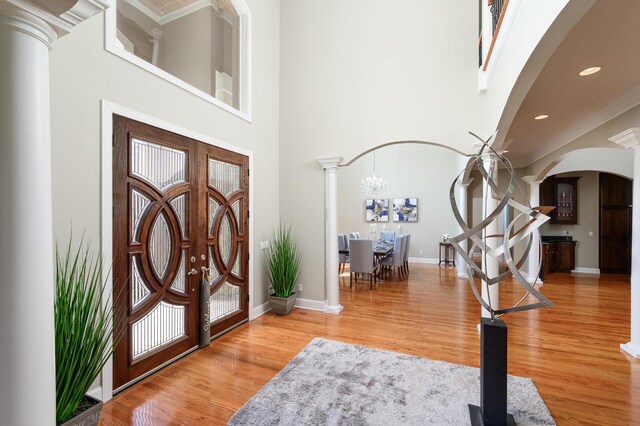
[559, 257]
[562, 193]
[566, 256]
[549, 258]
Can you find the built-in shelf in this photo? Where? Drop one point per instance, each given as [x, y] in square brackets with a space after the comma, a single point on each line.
[562, 193]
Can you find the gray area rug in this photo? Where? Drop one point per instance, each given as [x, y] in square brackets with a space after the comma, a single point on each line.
[333, 383]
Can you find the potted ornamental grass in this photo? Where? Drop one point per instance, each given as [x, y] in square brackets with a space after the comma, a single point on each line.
[283, 268]
[84, 333]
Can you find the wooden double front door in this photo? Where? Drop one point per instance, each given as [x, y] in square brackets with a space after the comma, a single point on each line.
[180, 212]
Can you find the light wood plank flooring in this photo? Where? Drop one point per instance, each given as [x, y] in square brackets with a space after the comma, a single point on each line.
[571, 351]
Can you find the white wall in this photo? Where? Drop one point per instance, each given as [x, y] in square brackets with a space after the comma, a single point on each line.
[361, 73]
[412, 171]
[83, 73]
[187, 47]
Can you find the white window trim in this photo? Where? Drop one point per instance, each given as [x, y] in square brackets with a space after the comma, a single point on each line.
[244, 61]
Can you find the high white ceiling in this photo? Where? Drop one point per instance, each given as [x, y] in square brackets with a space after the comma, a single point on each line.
[607, 36]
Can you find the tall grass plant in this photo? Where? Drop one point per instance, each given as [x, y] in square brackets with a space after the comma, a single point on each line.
[84, 330]
[283, 261]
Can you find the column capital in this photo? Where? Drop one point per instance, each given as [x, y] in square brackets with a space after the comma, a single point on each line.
[330, 163]
[48, 20]
[630, 138]
[531, 180]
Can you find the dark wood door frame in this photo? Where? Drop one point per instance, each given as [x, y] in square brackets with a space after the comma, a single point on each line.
[185, 236]
[615, 221]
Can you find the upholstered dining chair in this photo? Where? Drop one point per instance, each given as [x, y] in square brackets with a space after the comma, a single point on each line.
[396, 259]
[388, 236]
[362, 261]
[343, 244]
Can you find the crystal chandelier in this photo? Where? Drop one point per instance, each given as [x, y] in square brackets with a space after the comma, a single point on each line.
[374, 185]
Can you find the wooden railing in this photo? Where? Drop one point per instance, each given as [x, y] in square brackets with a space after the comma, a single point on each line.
[498, 9]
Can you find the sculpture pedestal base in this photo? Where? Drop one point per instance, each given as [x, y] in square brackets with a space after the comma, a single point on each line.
[475, 414]
[493, 376]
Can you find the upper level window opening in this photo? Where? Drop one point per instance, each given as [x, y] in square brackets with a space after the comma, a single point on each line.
[201, 45]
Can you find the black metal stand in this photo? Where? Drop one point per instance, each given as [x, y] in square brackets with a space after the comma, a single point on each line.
[493, 376]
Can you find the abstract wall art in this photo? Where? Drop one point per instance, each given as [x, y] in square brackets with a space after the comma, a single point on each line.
[405, 210]
[377, 210]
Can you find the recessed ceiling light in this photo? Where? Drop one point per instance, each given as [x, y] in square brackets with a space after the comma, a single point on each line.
[541, 117]
[589, 71]
[505, 151]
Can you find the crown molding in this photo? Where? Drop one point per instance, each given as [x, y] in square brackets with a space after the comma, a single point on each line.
[180, 13]
[630, 138]
[55, 20]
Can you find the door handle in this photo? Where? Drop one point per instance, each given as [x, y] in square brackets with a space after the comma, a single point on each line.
[193, 271]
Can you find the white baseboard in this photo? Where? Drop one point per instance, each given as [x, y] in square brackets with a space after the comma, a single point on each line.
[314, 305]
[631, 349]
[96, 393]
[595, 271]
[259, 310]
[428, 260]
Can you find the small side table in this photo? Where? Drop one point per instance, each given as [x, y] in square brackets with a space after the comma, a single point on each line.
[447, 247]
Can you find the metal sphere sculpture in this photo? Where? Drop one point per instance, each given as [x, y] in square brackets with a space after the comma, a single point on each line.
[533, 218]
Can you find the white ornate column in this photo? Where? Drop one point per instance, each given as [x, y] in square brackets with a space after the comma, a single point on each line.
[462, 197]
[631, 139]
[490, 264]
[332, 284]
[156, 34]
[533, 262]
[27, 362]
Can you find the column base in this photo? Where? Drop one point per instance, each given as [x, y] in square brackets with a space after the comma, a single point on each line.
[335, 310]
[532, 278]
[631, 349]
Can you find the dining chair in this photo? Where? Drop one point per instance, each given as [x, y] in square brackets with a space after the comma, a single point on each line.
[355, 235]
[343, 244]
[362, 261]
[388, 236]
[396, 258]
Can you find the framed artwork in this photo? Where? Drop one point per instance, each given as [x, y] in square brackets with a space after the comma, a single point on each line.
[405, 209]
[377, 210]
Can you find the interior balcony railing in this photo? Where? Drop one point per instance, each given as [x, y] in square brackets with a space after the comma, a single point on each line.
[497, 8]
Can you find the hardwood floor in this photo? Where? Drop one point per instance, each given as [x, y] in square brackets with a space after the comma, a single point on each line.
[571, 351]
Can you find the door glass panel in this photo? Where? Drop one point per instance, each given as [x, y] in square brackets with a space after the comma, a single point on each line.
[139, 290]
[237, 209]
[224, 177]
[139, 204]
[214, 272]
[224, 302]
[161, 166]
[160, 245]
[224, 240]
[179, 205]
[213, 210]
[236, 267]
[164, 324]
[180, 279]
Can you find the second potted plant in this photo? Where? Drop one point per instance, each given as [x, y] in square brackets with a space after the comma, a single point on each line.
[283, 267]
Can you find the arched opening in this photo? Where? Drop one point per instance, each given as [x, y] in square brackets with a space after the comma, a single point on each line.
[601, 227]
